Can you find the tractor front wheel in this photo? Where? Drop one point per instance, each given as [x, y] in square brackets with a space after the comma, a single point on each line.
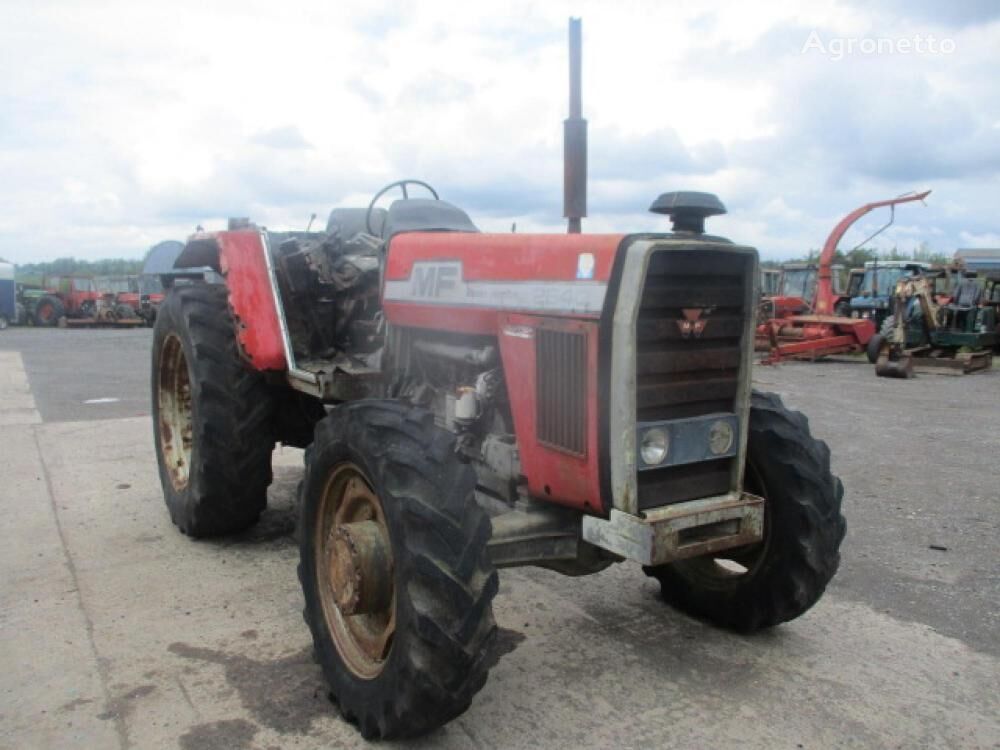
[874, 347]
[395, 572]
[784, 575]
[212, 416]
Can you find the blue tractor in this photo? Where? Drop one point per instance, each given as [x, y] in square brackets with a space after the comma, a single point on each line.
[873, 298]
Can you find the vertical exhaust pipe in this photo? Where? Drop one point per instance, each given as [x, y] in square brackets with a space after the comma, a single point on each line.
[574, 140]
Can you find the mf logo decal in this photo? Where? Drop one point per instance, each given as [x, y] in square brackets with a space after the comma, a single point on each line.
[693, 324]
[436, 280]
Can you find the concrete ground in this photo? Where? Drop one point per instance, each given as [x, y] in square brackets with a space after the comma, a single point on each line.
[117, 632]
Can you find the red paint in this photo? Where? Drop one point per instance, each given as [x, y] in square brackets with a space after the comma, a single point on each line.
[241, 260]
[552, 475]
[442, 318]
[811, 336]
[825, 298]
[504, 257]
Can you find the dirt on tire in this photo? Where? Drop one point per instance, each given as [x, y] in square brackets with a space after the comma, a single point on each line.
[787, 573]
[443, 578]
[231, 436]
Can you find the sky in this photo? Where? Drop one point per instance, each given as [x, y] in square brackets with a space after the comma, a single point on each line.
[124, 124]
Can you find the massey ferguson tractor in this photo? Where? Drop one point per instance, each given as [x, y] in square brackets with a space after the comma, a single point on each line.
[470, 402]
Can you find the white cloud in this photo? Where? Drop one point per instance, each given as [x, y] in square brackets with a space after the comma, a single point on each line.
[123, 123]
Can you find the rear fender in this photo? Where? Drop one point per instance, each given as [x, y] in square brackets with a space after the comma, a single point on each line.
[241, 258]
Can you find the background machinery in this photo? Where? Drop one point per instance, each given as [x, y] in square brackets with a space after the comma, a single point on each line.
[955, 338]
[872, 298]
[76, 300]
[795, 291]
[824, 332]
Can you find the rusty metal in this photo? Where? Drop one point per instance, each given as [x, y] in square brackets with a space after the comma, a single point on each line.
[176, 424]
[682, 530]
[575, 139]
[355, 566]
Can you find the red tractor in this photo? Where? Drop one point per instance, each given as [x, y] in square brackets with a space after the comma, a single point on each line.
[826, 328]
[65, 295]
[472, 401]
[78, 300]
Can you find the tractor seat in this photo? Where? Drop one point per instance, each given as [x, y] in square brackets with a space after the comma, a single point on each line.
[425, 215]
[966, 296]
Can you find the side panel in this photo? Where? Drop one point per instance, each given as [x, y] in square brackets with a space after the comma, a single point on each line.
[463, 282]
[251, 298]
[553, 474]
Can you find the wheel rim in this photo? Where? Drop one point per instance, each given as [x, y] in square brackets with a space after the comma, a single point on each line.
[175, 423]
[45, 312]
[734, 565]
[354, 564]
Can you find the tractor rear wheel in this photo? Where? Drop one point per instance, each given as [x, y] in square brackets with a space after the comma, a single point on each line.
[124, 312]
[212, 416]
[395, 572]
[48, 311]
[784, 575]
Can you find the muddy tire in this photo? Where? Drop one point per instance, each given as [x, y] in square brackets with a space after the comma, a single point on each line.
[211, 416]
[783, 576]
[872, 349]
[411, 658]
[48, 311]
[887, 325]
[124, 312]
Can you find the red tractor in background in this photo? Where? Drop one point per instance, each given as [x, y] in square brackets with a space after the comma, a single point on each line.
[77, 300]
[124, 291]
[824, 331]
[796, 291]
[64, 296]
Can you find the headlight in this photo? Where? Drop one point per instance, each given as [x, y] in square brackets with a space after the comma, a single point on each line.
[654, 446]
[720, 437]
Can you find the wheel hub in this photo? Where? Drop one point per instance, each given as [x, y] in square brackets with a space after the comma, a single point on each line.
[354, 561]
[360, 568]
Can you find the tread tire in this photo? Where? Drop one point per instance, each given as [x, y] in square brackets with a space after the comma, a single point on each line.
[887, 325]
[873, 346]
[231, 414]
[58, 311]
[803, 531]
[444, 579]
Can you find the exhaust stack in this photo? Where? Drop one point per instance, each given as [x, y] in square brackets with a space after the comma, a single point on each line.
[574, 140]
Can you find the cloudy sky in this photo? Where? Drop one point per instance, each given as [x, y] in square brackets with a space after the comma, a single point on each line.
[122, 124]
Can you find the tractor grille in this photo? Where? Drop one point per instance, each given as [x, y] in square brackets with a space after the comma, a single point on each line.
[688, 376]
[561, 362]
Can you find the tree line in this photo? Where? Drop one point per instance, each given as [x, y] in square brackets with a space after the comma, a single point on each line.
[857, 257]
[32, 273]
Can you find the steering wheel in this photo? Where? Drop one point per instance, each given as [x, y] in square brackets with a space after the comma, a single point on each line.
[401, 184]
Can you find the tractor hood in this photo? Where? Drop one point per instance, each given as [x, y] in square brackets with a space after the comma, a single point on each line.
[431, 277]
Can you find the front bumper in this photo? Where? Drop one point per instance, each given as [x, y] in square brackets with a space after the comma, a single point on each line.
[674, 532]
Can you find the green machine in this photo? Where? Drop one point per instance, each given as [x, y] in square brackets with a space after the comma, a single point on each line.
[954, 338]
